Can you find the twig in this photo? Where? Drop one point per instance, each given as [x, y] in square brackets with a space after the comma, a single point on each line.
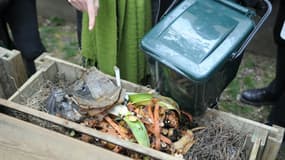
[116, 127]
[156, 126]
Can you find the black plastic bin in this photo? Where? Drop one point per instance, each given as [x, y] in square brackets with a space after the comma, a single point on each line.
[195, 51]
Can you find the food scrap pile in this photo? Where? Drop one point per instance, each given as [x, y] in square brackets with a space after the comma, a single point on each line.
[148, 119]
[96, 101]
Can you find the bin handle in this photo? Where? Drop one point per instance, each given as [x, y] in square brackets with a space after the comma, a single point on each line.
[235, 6]
[171, 6]
[254, 31]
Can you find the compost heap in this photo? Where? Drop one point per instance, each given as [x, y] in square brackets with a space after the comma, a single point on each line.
[148, 119]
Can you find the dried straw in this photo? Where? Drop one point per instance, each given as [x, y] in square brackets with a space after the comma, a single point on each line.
[218, 142]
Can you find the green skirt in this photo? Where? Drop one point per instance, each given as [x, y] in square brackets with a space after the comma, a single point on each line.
[120, 26]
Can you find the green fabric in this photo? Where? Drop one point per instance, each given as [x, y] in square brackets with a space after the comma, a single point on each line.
[100, 45]
[119, 27]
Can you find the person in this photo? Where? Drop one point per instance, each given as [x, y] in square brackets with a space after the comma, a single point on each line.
[21, 16]
[274, 93]
[91, 6]
[116, 36]
[119, 28]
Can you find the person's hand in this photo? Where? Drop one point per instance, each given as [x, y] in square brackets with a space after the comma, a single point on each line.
[91, 6]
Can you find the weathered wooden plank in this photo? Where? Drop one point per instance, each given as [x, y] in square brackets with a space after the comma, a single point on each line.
[248, 144]
[2, 80]
[89, 131]
[262, 137]
[75, 71]
[34, 83]
[255, 149]
[2, 95]
[41, 61]
[7, 84]
[29, 88]
[273, 144]
[271, 137]
[14, 66]
[240, 123]
[24, 141]
[13, 72]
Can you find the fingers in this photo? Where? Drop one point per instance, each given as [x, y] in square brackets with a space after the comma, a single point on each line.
[84, 4]
[77, 4]
[92, 9]
[91, 13]
[91, 6]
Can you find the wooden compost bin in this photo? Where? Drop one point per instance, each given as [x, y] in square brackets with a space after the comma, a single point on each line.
[20, 140]
[12, 72]
[264, 141]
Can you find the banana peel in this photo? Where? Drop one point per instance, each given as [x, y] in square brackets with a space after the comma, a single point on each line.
[137, 98]
[143, 99]
[138, 129]
[136, 126]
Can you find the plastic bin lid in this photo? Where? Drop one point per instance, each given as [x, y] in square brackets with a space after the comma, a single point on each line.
[197, 37]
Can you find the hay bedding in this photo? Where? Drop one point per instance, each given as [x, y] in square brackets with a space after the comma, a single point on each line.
[218, 142]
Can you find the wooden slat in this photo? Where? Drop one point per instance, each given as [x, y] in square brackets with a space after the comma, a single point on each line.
[41, 61]
[92, 132]
[2, 95]
[12, 72]
[20, 140]
[67, 66]
[2, 73]
[7, 84]
[248, 144]
[3, 76]
[29, 88]
[255, 148]
[14, 66]
[262, 137]
[240, 123]
[271, 137]
[273, 144]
